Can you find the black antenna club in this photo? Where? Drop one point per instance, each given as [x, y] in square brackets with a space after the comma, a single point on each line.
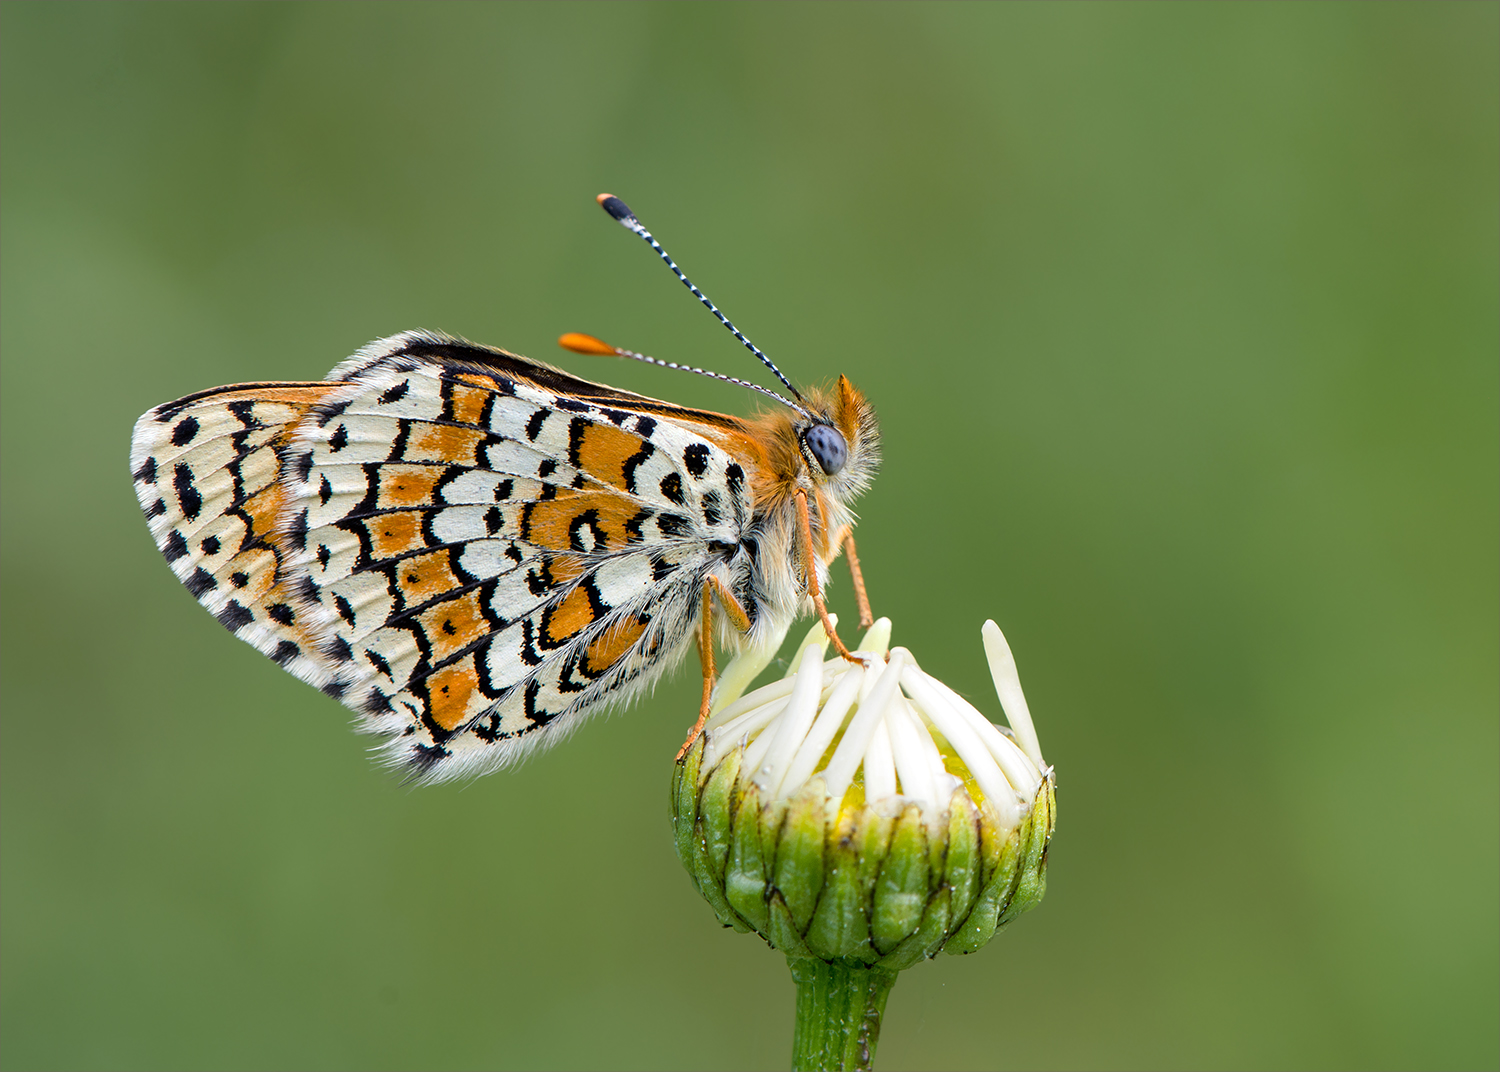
[621, 212]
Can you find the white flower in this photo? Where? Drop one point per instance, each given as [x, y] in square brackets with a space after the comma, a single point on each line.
[901, 734]
[865, 813]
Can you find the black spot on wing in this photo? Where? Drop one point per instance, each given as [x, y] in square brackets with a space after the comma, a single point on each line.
[329, 412]
[239, 578]
[146, 474]
[533, 712]
[339, 440]
[584, 533]
[280, 612]
[424, 757]
[296, 532]
[174, 547]
[186, 429]
[235, 616]
[696, 458]
[201, 582]
[577, 429]
[634, 462]
[378, 662]
[244, 412]
[534, 425]
[285, 652]
[187, 495]
[210, 545]
[395, 393]
[633, 531]
[712, 511]
[671, 487]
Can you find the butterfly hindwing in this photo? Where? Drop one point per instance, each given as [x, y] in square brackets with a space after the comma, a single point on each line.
[482, 557]
[207, 474]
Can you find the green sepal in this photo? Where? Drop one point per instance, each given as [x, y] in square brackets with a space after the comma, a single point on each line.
[901, 889]
[781, 931]
[1032, 880]
[716, 812]
[840, 925]
[925, 942]
[872, 843]
[709, 884]
[798, 872]
[771, 816]
[745, 873]
[961, 869]
[685, 801]
[979, 928]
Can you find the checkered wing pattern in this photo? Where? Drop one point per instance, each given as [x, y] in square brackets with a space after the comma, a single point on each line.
[459, 546]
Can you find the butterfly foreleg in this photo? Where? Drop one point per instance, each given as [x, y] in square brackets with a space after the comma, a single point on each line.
[740, 619]
[814, 589]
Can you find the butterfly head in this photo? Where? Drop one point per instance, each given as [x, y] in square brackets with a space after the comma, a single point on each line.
[839, 440]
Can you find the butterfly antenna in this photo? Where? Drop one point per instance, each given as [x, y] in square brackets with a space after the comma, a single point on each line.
[621, 211]
[580, 343]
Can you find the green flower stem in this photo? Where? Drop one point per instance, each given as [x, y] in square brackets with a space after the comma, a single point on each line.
[838, 1014]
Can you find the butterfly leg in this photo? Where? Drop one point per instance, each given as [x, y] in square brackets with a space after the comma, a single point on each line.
[814, 589]
[741, 621]
[861, 597]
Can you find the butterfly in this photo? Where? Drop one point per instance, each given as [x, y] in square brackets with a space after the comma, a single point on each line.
[476, 551]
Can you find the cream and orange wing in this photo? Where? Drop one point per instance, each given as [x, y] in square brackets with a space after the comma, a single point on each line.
[207, 472]
[484, 558]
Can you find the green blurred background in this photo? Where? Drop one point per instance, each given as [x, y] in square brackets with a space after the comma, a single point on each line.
[1182, 325]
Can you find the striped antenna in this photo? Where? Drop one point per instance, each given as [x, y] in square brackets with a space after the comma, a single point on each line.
[580, 343]
[621, 211]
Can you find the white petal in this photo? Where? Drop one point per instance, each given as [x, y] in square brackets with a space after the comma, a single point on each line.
[830, 719]
[911, 763]
[743, 669]
[727, 737]
[880, 770]
[1008, 688]
[795, 721]
[851, 750]
[877, 638]
[970, 746]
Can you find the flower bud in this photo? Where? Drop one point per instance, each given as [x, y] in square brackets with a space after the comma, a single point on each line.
[867, 813]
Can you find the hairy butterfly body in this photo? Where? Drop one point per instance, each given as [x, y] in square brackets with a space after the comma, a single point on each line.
[476, 551]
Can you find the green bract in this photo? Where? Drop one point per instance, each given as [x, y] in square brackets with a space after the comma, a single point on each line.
[865, 815]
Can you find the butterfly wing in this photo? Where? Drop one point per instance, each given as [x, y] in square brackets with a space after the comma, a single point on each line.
[479, 547]
[207, 473]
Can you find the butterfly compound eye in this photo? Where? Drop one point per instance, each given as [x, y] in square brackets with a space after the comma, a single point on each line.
[828, 446]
